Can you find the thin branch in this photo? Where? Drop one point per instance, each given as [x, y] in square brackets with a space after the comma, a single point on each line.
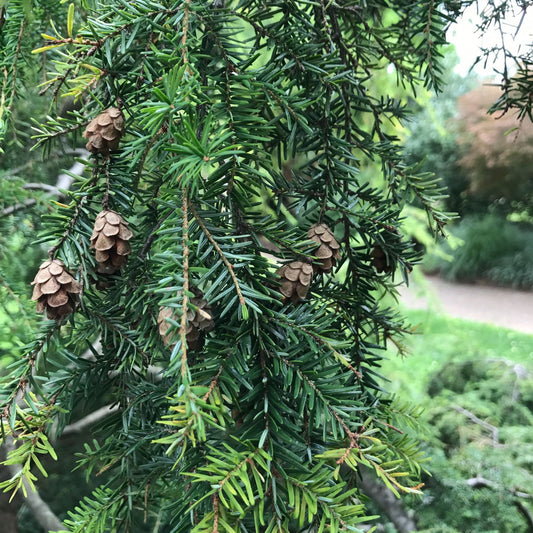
[354, 437]
[493, 429]
[122, 334]
[264, 33]
[228, 265]
[151, 237]
[144, 155]
[228, 71]
[73, 220]
[71, 40]
[183, 324]
[31, 357]
[214, 383]
[105, 198]
[17, 207]
[186, 12]
[320, 341]
[215, 513]
[94, 46]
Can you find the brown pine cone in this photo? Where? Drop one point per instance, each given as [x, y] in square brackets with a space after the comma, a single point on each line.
[328, 251]
[54, 289]
[379, 260]
[104, 131]
[199, 321]
[110, 240]
[295, 280]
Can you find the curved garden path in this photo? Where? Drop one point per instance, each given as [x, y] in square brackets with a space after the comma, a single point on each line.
[494, 305]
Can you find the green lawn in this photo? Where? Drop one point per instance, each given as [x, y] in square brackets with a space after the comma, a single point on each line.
[439, 340]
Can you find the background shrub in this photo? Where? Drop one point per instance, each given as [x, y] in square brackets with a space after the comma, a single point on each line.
[515, 270]
[493, 249]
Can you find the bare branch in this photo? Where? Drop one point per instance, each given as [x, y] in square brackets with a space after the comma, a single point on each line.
[525, 513]
[492, 429]
[481, 482]
[64, 181]
[52, 189]
[13, 172]
[87, 421]
[17, 207]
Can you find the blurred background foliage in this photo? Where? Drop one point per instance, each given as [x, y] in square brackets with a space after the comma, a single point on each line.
[485, 162]
[476, 383]
[474, 379]
[493, 248]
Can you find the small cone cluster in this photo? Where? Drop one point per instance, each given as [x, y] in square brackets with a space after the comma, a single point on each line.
[54, 289]
[199, 321]
[105, 131]
[379, 260]
[328, 251]
[296, 276]
[295, 280]
[110, 240]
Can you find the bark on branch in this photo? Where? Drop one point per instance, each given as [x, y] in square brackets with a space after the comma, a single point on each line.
[480, 482]
[489, 427]
[388, 502]
[63, 182]
[87, 421]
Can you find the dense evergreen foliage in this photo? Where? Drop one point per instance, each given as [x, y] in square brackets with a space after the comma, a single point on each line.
[246, 124]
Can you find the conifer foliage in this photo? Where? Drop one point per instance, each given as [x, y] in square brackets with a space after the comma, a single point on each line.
[226, 142]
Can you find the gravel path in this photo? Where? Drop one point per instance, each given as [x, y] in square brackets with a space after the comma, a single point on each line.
[502, 307]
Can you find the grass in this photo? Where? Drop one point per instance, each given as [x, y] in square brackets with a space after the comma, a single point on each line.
[440, 340]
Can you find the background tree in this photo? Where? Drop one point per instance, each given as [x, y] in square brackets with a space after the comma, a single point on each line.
[496, 152]
[484, 160]
[240, 351]
[431, 137]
